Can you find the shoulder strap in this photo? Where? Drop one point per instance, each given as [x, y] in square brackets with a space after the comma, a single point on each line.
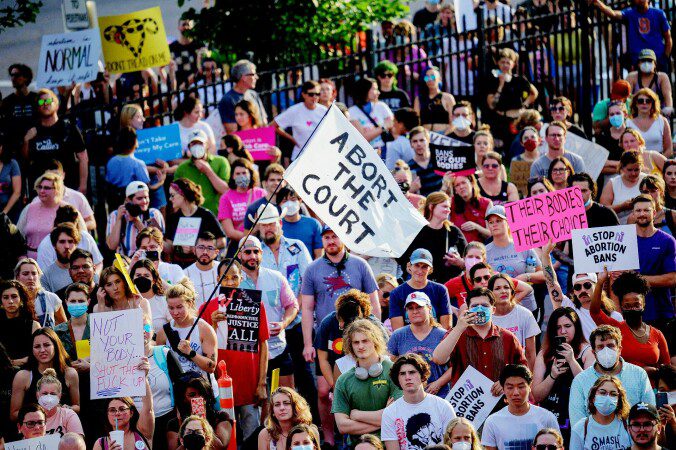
[368, 115]
[586, 424]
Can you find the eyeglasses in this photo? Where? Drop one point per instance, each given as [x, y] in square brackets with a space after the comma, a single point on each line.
[34, 423]
[430, 77]
[248, 252]
[210, 248]
[560, 170]
[638, 426]
[557, 108]
[44, 188]
[45, 101]
[648, 191]
[312, 94]
[491, 166]
[82, 267]
[546, 447]
[484, 278]
[386, 75]
[644, 101]
[579, 286]
[121, 410]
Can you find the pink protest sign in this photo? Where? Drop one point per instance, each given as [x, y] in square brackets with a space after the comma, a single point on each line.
[258, 141]
[551, 216]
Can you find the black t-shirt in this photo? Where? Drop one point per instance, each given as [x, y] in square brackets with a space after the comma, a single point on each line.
[601, 216]
[62, 142]
[395, 99]
[606, 140]
[423, 17]
[513, 93]
[185, 57]
[19, 114]
[577, 131]
[209, 223]
[469, 139]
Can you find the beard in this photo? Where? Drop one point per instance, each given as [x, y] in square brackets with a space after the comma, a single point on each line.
[63, 259]
[648, 444]
[336, 252]
[205, 259]
[271, 238]
[251, 264]
[643, 223]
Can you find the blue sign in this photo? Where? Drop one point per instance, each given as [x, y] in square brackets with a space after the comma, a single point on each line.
[159, 143]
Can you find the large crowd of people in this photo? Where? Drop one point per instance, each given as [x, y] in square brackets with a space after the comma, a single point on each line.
[365, 351]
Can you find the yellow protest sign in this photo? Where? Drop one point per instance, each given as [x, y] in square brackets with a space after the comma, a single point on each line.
[82, 348]
[119, 263]
[134, 41]
[274, 384]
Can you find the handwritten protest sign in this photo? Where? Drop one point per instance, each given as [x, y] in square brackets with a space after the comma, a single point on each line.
[134, 41]
[187, 230]
[116, 350]
[471, 396]
[613, 247]
[459, 160]
[46, 442]
[243, 312]
[519, 173]
[550, 216]
[75, 14]
[344, 181]
[593, 155]
[68, 58]
[258, 141]
[159, 143]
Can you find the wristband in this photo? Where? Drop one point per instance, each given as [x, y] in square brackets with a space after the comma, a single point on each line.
[550, 375]
[192, 354]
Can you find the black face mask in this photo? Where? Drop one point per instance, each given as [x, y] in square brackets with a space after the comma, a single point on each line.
[633, 317]
[194, 441]
[143, 284]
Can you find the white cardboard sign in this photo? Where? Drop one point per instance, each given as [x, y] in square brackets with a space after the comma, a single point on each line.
[613, 247]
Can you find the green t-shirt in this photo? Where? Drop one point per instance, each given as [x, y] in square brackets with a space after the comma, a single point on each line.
[219, 165]
[371, 394]
[601, 109]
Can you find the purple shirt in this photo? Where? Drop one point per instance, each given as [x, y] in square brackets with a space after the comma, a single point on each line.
[656, 257]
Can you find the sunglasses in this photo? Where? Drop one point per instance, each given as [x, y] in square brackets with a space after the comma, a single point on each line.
[648, 191]
[644, 101]
[430, 77]
[386, 75]
[44, 188]
[579, 286]
[480, 279]
[248, 252]
[557, 108]
[491, 166]
[386, 295]
[546, 447]
[312, 94]
[45, 101]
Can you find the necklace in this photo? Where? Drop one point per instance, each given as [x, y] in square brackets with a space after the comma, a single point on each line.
[644, 329]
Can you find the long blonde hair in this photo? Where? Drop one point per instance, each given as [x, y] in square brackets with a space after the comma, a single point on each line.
[301, 412]
[448, 434]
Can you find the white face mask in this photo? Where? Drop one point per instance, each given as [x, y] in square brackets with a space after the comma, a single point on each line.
[461, 445]
[461, 123]
[198, 151]
[48, 401]
[606, 357]
[292, 207]
[647, 66]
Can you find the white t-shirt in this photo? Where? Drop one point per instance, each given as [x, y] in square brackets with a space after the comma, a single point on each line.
[415, 426]
[379, 112]
[588, 324]
[203, 280]
[159, 311]
[302, 121]
[47, 254]
[599, 437]
[506, 431]
[171, 273]
[185, 134]
[519, 321]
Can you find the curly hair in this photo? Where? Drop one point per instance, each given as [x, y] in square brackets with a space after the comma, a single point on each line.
[301, 411]
[27, 307]
[630, 282]
[371, 330]
[655, 109]
[623, 406]
[448, 434]
[416, 361]
[206, 428]
[190, 190]
[351, 304]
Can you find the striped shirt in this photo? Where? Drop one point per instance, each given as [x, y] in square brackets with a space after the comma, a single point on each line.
[129, 232]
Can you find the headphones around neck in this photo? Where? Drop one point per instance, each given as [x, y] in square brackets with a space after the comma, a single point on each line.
[373, 372]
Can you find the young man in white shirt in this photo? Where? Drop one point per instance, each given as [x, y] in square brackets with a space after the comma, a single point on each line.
[417, 419]
[203, 272]
[515, 425]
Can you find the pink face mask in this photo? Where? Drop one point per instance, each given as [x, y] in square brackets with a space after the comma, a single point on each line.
[470, 261]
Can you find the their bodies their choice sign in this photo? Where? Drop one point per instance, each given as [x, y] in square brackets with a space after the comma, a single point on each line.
[550, 216]
[613, 247]
[68, 58]
[258, 141]
[116, 351]
[46, 442]
[471, 396]
[342, 179]
[159, 143]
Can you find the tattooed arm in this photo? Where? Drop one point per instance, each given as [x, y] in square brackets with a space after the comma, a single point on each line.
[553, 286]
[207, 360]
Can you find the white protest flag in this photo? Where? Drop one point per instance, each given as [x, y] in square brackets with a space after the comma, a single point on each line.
[344, 181]
[593, 155]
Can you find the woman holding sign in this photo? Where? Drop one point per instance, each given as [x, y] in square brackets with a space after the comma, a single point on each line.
[48, 353]
[128, 427]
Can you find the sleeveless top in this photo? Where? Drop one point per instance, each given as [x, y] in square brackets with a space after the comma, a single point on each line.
[653, 86]
[432, 110]
[667, 224]
[653, 136]
[195, 344]
[650, 168]
[31, 393]
[16, 336]
[622, 193]
[500, 198]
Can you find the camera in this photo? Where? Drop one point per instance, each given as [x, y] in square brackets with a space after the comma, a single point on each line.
[133, 210]
[153, 255]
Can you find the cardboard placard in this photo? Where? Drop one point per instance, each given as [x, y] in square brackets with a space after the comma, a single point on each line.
[119, 263]
[519, 173]
[471, 396]
[134, 41]
[243, 317]
[68, 58]
[116, 350]
[258, 141]
[551, 216]
[187, 231]
[46, 442]
[159, 143]
[613, 247]
[75, 14]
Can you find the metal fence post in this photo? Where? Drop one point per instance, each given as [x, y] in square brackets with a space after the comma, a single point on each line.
[586, 100]
[481, 43]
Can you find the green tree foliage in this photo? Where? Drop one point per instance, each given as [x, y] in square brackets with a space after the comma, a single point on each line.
[286, 31]
[17, 13]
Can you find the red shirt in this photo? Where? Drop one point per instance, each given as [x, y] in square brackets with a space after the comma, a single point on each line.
[243, 367]
[487, 355]
[652, 353]
[471, 214]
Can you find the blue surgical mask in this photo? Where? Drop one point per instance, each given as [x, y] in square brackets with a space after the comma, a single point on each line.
[617, 120]
[605, 404]
[77, 309]
[483, 314]
[303, 447]
[433, 2]
[588, 203]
